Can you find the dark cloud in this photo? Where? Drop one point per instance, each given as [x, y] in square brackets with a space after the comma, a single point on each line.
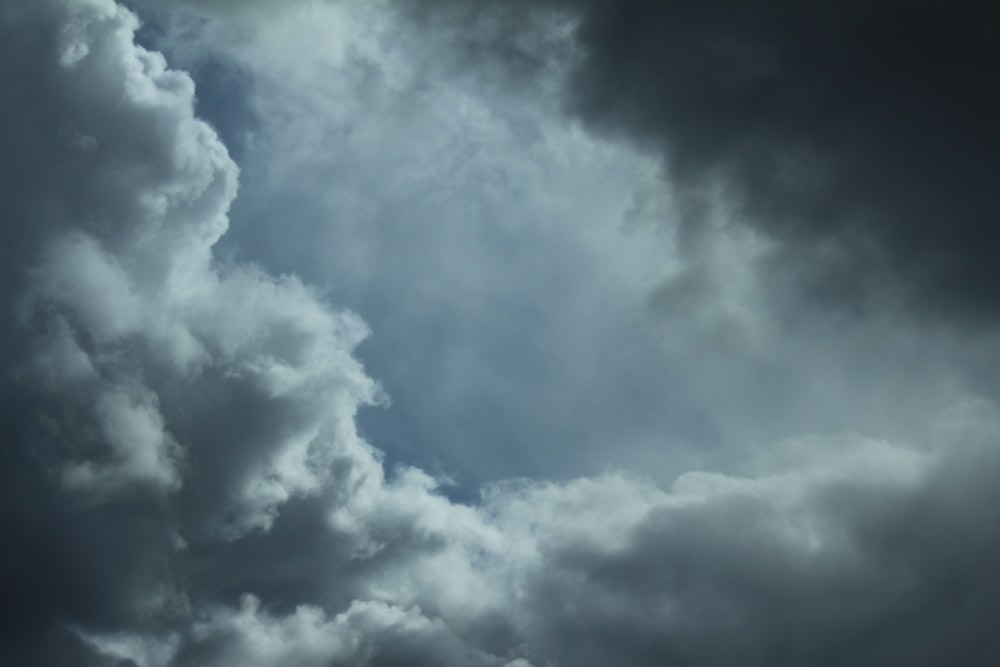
[473, 226]
[124, 378]
[860, 138]
[183, 484]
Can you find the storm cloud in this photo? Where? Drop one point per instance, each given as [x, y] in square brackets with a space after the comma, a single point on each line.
[860, 139]
[183, 479]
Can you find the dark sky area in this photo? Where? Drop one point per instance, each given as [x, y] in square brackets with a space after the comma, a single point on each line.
[861, 137]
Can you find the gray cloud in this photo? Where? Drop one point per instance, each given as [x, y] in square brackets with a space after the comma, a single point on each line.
[156, 397]
[439, 214]
[859, 138]
[827, 564]
[867, 552]
[474, 227]
[183, 483]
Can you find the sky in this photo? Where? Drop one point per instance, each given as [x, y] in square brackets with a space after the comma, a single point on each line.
[396, 333]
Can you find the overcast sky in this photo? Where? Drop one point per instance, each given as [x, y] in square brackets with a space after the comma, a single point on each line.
[516, 334]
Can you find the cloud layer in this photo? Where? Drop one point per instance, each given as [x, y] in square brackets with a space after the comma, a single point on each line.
[184, 485]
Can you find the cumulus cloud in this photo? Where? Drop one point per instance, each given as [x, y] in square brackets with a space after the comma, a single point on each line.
[872, 553]
[131, 354]
[368, 633]
[184, 485]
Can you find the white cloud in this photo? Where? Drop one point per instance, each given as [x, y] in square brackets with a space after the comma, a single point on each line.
[130, 305]
[368, 633]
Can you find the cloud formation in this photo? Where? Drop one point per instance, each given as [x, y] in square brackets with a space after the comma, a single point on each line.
[140, 372]
[183, 482]
[860, 139]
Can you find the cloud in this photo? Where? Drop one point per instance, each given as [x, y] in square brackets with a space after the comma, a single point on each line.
[368, 633]
[436, 209]
[531, 285]
[860, 140]
[855, 550]
[820, 566]
[184, 485]
[142, 374]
